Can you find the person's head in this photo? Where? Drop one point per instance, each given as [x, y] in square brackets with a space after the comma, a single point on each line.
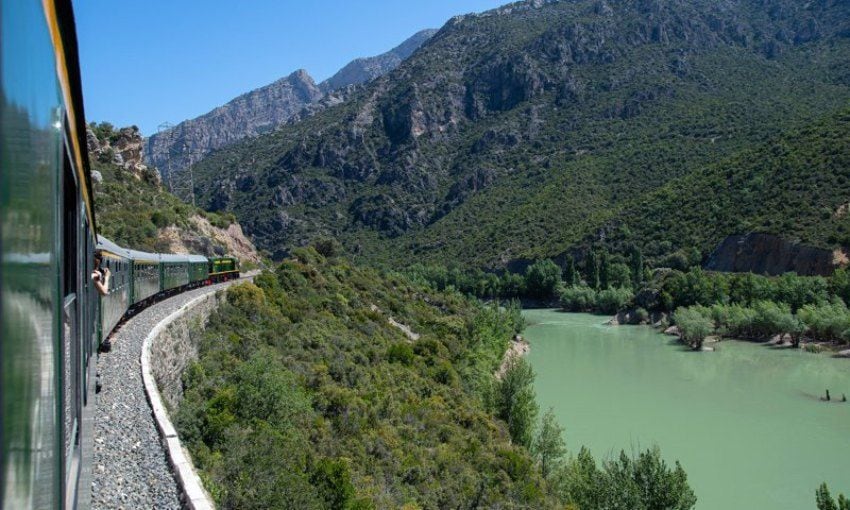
[98, 258]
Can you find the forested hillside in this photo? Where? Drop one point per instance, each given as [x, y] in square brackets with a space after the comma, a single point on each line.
[527, 131]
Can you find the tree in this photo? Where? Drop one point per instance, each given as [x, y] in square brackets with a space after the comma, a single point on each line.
[619, 276]
[541, 278]
[571, 276]
[825, 502]
[646, 482]
[332, 480]
[627, 483]
[636, 266]
[591, 269]
[604, 270]
[516, 401]
[693, 326]
[548, 447]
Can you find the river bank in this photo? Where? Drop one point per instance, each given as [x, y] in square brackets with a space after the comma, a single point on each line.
[518, 348]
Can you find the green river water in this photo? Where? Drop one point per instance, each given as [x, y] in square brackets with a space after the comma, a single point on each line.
[745, 422]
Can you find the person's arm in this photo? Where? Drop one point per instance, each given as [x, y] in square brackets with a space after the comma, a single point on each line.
[102, 289]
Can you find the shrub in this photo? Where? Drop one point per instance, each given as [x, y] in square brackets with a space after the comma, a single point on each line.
[694, 325]
[578, 299]
[401, 352]
[612, 300]
[542, 278]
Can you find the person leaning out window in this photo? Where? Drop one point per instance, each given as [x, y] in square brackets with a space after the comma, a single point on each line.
[100, 277]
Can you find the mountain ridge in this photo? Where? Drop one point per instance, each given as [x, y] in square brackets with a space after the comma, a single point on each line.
[264, 109]
[518, 133]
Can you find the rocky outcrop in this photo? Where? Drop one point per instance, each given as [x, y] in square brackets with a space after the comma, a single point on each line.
[206, 239]
[771, 255]
[265, 109]
[125, 148]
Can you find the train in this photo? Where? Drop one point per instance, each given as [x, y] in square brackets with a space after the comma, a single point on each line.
[139, 278]
[52, 319]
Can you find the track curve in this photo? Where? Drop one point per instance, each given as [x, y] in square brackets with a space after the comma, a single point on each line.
[130, 463]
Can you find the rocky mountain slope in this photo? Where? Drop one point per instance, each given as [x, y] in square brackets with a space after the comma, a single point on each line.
[265, 109]
[540, 127]
[362, 70]
[134, 210]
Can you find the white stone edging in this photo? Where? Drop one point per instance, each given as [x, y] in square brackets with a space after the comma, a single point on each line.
[196, 497]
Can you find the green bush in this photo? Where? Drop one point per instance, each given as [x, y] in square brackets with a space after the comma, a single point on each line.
[694, 325]
[578, 299]
[400, 353]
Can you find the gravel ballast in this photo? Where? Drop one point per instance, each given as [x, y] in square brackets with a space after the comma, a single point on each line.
[130, 466]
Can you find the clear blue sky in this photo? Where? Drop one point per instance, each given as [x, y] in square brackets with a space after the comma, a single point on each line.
[152, 61]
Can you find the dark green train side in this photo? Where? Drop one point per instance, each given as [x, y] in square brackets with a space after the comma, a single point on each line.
[52, 321]
[139, 278]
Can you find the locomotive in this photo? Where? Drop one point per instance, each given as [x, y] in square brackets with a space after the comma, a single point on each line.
[52, 320]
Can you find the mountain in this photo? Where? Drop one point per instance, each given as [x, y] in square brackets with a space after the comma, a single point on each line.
[362, 70]
[250, 114]
[541, 127]
[135, 211]
[265, 109]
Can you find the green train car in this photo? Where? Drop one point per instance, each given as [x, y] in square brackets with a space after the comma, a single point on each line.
[52, 320]
[48, 307]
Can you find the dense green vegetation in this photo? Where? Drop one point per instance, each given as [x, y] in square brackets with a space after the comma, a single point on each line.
[306, 395]
[738, 305]
[826, 502]
[131, 206]
[525, 135]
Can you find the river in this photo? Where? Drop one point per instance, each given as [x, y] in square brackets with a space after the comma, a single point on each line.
[745, 421]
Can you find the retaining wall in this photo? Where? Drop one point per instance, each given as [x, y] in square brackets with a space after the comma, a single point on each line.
[167, 351]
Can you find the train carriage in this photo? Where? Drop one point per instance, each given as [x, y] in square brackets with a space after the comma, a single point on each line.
[174, 271]
[146, 279]
[51, 317]
[47, 226]
[199, 270]
[114, 305]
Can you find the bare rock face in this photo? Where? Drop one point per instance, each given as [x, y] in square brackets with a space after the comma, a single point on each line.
[251, 114]
[771, 255]
[124, 147]
[265, 109]
[208, 240]
[362, 70]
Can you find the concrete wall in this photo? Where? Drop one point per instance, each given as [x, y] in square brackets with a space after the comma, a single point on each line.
[177, 345]
[166, 352]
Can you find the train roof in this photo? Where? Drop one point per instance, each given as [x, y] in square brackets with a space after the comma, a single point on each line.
[104, 244]
[168, 257]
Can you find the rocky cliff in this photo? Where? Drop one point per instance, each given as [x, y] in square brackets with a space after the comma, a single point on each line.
[250, 114]
[771, 255]
[134, 210]
[124, 147]
[267, 108]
